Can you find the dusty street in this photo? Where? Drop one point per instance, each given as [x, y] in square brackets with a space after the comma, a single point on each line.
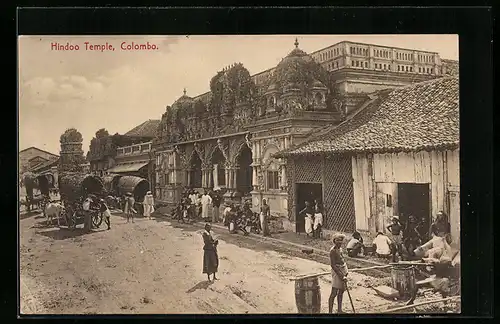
[153, 266]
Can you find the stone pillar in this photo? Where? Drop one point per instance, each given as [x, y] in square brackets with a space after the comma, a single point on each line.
[283, 176]
[235, 176]
[188, 177]
[215, 173]
[174, 174]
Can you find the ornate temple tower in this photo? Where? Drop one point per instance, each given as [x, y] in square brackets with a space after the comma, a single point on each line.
[71, 155]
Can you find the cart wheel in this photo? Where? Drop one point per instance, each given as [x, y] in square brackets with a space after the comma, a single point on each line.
[97, 219]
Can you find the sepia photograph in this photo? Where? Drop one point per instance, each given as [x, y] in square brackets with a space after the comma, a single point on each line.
[239, 174]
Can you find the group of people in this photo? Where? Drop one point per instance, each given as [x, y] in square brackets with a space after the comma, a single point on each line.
[402, 239]
[313, 217]
[240, 217]
[237, 217]
[437, 249]
[194, 205]
[92, 204]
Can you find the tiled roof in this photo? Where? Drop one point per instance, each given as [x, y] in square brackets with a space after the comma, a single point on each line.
[421, 116]
[45, 164]
[146, 129]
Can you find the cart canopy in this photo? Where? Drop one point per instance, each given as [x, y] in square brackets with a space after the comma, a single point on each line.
[136, 185]
[110, 183]
[73, 186]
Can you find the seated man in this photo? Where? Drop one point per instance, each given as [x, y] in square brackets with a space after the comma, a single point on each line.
[355, 245]
[382, 245]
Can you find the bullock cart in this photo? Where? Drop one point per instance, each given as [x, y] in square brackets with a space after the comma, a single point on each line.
[74, 189]
[137, 186]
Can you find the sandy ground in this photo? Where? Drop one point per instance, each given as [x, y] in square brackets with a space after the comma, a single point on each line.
[154, 267]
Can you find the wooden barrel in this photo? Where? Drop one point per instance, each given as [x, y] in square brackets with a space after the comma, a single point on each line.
[403, 280]
[308, 295]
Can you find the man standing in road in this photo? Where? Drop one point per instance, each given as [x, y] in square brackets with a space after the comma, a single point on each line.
[210, 257]
[339, 273]
[87, 225]
[129, 207]
[148, 204]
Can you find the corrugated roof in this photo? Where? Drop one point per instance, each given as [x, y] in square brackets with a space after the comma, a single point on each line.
[146, 129]
[132, 167]
[421, 116]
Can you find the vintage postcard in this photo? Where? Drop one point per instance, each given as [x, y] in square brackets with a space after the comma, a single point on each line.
[239, 174]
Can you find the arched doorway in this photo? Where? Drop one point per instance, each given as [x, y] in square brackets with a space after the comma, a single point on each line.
[218, 178]
[244, 174]
[195, 171]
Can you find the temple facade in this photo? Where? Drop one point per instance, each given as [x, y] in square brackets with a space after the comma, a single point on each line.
[227, 138]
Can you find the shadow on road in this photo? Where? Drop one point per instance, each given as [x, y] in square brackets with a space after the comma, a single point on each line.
[200, 285]
[29, 214]
[64, 233]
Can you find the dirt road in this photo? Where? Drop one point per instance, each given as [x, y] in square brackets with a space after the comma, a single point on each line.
[154, 267]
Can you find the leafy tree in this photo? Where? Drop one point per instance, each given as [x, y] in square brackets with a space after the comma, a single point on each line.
[101, 133]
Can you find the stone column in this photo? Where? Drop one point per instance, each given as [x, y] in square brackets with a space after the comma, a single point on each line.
[283, 176]
[235, 176]
[188, 177]
[215, 173]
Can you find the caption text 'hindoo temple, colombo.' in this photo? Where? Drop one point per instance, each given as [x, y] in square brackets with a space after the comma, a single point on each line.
[347, 125]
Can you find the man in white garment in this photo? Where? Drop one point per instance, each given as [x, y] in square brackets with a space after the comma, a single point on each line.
[206, 202]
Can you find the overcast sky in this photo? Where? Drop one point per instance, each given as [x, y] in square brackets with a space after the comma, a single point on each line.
[118, 90]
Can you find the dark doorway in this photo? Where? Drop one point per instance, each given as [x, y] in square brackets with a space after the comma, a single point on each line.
[244, 175]
[195, 171]
[219, 160]
[306, 192]
[413, 199]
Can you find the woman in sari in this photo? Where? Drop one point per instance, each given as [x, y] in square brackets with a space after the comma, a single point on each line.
[210, 257]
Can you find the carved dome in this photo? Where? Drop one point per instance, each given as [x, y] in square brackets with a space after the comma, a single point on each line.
[184, 103]
[184, 99]
[294, 68]
[318, 85]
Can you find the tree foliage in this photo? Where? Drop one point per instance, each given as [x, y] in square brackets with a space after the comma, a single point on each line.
[71, 135]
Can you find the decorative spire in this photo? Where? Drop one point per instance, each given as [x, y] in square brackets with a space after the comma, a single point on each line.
[296, 43]
[184, 91]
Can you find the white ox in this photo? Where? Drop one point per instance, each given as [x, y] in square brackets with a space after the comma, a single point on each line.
[54, 209]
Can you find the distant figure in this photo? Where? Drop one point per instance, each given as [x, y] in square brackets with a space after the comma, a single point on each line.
[148, 204]
[339, 273]
[308, 213]
[216, 200]
[265, 212]
[318, 222]
[106, 213]
[193, 197]
[205, 201]
[355, 245]
[411, 235]
[87, 225]
[225, 214]
[210, 257]
[382, 245]
[395, 229]
[129, 207]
